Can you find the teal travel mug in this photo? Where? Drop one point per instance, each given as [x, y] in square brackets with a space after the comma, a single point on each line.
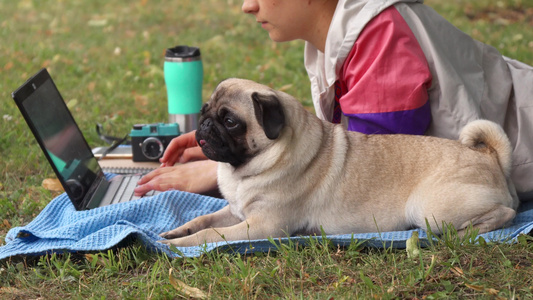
[184, 75]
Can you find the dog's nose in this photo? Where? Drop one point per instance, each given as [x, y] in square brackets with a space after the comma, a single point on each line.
[206, 124]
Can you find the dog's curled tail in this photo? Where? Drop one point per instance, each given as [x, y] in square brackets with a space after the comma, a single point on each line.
[481, 133]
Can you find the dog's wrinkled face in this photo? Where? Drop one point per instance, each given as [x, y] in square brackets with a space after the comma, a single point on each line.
[241, 119]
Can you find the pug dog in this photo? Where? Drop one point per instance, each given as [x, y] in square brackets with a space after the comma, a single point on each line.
[284, 172]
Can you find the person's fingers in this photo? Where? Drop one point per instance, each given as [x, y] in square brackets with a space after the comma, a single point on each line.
[195, 177]
[141, 190]
[153, 174]
[160, 181]
[177, 146]
[192, 154]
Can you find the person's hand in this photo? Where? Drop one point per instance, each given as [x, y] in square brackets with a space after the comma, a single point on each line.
[196, 177]
[182, 149]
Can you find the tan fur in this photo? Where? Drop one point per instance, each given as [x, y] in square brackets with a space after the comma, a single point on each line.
[316, 174]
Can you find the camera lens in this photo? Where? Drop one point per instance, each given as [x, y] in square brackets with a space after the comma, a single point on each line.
[152, 148]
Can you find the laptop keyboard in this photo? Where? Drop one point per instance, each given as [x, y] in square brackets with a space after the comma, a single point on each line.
[125, 191]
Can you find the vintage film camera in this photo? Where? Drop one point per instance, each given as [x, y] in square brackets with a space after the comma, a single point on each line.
[149, 141]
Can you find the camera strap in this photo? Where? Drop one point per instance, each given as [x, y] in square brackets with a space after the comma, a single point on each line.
[112, 140]
[107, 138]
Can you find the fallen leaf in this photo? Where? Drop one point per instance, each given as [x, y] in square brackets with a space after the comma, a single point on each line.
[97, 22]
[147, 57]
[45, 64]
[478, 288]
[184, 288]
[6, 223]
[225, 280]
[72, 103]
[412, 246]
[493, 291]
[8, 66]
[11, 292]
[91, 86]
[285, 87]
[25, 4]
[457, 271]
[52, 184]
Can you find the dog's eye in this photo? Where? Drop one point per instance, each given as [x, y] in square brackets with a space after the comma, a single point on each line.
[230, 123]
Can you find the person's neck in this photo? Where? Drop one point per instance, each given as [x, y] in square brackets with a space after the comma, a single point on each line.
[319, 33]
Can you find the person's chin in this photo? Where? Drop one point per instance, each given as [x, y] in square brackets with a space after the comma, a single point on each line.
[278, 38]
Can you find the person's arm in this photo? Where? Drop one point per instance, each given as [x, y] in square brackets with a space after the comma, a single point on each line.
[194, 173]
[182, 149]
[386, 79]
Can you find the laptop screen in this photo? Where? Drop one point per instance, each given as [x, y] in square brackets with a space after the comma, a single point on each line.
[58, 134]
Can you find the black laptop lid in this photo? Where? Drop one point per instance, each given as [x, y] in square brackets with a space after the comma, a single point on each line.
[59, 136]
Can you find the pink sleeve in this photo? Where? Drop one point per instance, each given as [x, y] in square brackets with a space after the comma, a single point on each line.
[385, 79]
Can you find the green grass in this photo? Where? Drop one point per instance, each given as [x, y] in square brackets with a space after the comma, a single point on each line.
[106, 58]
[450, 268]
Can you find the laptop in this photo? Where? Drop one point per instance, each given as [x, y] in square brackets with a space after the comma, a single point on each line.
[67, 151]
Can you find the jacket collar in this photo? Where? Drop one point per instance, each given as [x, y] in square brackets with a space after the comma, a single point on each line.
[350, 18]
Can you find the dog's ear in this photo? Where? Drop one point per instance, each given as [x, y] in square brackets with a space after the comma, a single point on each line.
[269, 114]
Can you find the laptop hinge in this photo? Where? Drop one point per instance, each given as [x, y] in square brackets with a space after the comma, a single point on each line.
[98, 194]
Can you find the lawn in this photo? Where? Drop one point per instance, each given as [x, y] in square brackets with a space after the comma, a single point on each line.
[106, 58]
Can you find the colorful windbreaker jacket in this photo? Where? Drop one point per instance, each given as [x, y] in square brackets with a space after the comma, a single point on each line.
[461, 79]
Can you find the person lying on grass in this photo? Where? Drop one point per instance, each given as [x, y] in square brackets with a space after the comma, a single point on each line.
[383, 67]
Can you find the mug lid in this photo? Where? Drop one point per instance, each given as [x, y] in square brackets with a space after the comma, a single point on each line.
[182, 52]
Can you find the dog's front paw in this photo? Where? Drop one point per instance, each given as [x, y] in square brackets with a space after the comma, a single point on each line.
[165, 235]
[180, 242]
[166, 242]
[176, 233]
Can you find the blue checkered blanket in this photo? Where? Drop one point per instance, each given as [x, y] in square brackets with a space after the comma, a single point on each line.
[60, 228]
